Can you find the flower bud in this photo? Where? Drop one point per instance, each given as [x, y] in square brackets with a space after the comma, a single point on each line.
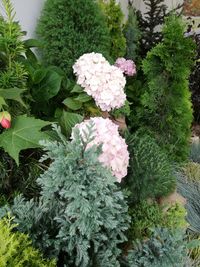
[5, 119]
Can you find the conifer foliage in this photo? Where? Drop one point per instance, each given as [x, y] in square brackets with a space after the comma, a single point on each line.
[150, 24]
[16, 249]
[166, 106]
[70, 28]
[114, 19]
[81, 215]
[150, 173]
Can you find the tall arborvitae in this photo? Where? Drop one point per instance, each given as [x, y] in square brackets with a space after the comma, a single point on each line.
[166, 105]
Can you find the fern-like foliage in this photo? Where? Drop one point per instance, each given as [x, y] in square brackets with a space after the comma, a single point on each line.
[150, 173]
[166, 105]
[81, 215]
[16, 248]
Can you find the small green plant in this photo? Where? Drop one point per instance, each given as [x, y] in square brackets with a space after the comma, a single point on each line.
[16, 248]
[70, 28]
[150, 173]
[147, 215]
[166, 105]
[13, 76]
[81, 215]
[114, 19]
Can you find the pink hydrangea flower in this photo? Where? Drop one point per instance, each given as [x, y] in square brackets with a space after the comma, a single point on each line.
[115, 154]
[128, 67]
[105, 83]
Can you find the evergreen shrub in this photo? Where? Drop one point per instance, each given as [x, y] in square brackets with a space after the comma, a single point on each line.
[165, 248]
[150, 215]
[166, 105]
[71, 28]
[81, 216]
[16, 248]
[132, 34]
[150, 173]
[114, 19]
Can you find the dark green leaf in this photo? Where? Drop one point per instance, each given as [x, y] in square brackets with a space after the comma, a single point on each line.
[48, 88]
[39, 75]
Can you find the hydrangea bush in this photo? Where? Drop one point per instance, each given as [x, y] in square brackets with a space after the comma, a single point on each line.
[128, 67]
[104, 82]
[114, 149]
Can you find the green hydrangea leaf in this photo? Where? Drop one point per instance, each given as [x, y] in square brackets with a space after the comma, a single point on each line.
[72, 103]
[24, 133]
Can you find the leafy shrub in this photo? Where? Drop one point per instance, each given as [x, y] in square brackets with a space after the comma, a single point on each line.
[166, 106]
[81, 215]
[114, 19]
[13, 76]
[70, 28]
[16, 249]
[14, 94]
[165, 248]
[150, 174]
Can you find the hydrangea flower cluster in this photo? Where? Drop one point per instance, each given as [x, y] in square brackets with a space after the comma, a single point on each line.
[114, 149]
[105, 83]
[128, 67]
